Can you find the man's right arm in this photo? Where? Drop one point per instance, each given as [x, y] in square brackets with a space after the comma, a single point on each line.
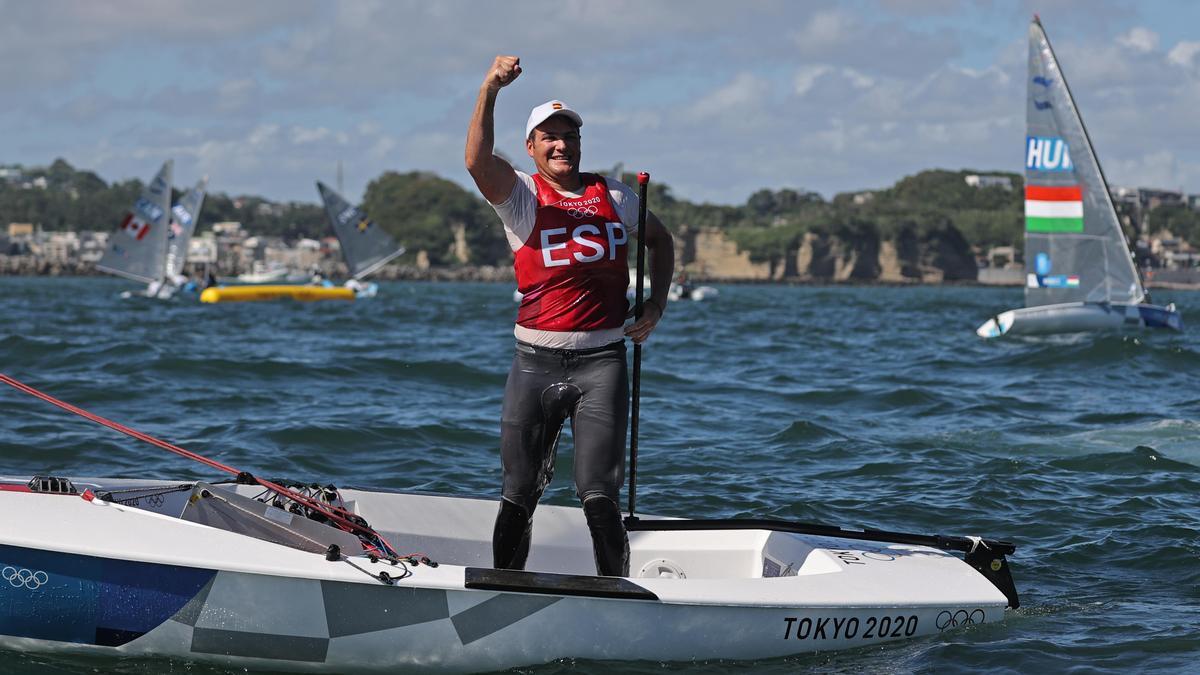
[493, 176]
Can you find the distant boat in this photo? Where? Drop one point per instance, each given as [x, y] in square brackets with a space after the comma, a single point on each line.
[264, 274]
[184, 216]
[366, 248]
[630, 290]
[134, 250]
[683, 290]
[1079, 273]
[138, 249]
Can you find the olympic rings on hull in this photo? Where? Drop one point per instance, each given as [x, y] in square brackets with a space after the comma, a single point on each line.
[18, 577]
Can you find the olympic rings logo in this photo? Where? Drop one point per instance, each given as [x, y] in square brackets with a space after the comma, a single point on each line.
[23, 577]
[947, 619]
[581, 212]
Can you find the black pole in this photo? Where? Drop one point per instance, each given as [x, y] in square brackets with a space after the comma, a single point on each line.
[635, 407]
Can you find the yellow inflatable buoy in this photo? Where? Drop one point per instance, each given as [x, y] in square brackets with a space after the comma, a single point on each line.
[256, 293]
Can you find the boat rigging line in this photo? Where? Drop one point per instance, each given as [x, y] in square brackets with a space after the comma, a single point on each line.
[372, 541]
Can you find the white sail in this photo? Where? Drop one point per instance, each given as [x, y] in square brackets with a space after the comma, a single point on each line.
[138, 249]
[183, 224]
[1075, 250]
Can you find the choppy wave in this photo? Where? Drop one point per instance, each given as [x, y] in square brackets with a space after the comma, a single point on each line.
[870, 407]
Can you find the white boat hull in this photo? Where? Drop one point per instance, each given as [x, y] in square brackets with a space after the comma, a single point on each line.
[102, 577]
[271, 277]
[698, 293]
[1079, 317]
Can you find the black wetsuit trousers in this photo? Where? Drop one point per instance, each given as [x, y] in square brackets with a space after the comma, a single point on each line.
[546, 387]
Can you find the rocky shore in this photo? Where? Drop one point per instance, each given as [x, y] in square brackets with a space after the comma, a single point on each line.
[34, 266]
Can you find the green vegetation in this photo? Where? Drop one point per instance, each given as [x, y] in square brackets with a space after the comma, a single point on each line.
[80, 200]
[934, 211]
[1180, 220]
[423, 211]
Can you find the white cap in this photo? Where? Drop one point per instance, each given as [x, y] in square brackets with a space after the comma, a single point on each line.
[547, 110]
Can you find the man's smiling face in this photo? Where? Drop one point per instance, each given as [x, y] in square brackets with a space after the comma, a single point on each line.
[554, 147]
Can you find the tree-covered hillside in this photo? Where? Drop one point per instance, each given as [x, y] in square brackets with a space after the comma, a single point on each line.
[424, 211]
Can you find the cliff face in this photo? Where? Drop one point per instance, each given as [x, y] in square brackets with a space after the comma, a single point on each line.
[709, 254]
[939, 254]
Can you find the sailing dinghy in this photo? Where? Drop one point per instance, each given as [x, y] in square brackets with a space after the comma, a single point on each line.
[132, 260]
[138, 249]
[1080, 274]
[366, 248]
[184, 216]
[249, 573]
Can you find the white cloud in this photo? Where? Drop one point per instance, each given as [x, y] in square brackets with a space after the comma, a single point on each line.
[61, 41]
[1184, 54]
[236, 95]
[298, 135]
[821, 80]
[742, 96]
[823, 30]
[1140, 39]
[857, 79]
[1159, 169]
[718, 99]
[262, 135]
[807, 76]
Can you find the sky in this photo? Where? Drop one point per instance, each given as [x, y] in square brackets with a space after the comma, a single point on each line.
[715, 99]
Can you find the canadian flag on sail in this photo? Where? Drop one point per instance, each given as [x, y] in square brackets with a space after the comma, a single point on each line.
[134, 226]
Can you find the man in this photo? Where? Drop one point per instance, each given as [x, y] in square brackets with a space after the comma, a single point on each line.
[569, 232]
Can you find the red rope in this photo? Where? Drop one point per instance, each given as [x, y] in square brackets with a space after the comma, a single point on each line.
[20, 386]
[334, 513]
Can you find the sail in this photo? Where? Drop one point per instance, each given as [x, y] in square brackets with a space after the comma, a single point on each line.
[1075, 250]
[365, 246]
[183, 224]
[138, 248]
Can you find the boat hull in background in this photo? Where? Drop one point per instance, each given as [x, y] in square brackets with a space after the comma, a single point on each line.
[1080, 317]
[697, 293]
[265, 277]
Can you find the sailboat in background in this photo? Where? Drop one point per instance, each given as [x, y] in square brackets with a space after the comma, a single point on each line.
[138, 249]
[184, 216]
[1080, 273]
[143, 250]
[366, 248]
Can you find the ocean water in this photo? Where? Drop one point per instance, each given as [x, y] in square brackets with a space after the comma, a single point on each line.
[853, 406]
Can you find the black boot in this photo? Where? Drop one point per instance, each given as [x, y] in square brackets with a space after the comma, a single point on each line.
[510, 539]
[609, 541]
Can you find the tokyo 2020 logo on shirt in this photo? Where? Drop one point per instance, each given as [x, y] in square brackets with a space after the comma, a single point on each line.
[583, 211]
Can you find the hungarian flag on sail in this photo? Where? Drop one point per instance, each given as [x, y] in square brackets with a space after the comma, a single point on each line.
[135, 226]
[1053, 209]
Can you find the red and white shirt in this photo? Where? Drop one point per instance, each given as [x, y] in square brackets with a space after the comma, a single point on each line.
[571, 259]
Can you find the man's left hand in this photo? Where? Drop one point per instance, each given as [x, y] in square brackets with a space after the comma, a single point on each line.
[640, 330]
